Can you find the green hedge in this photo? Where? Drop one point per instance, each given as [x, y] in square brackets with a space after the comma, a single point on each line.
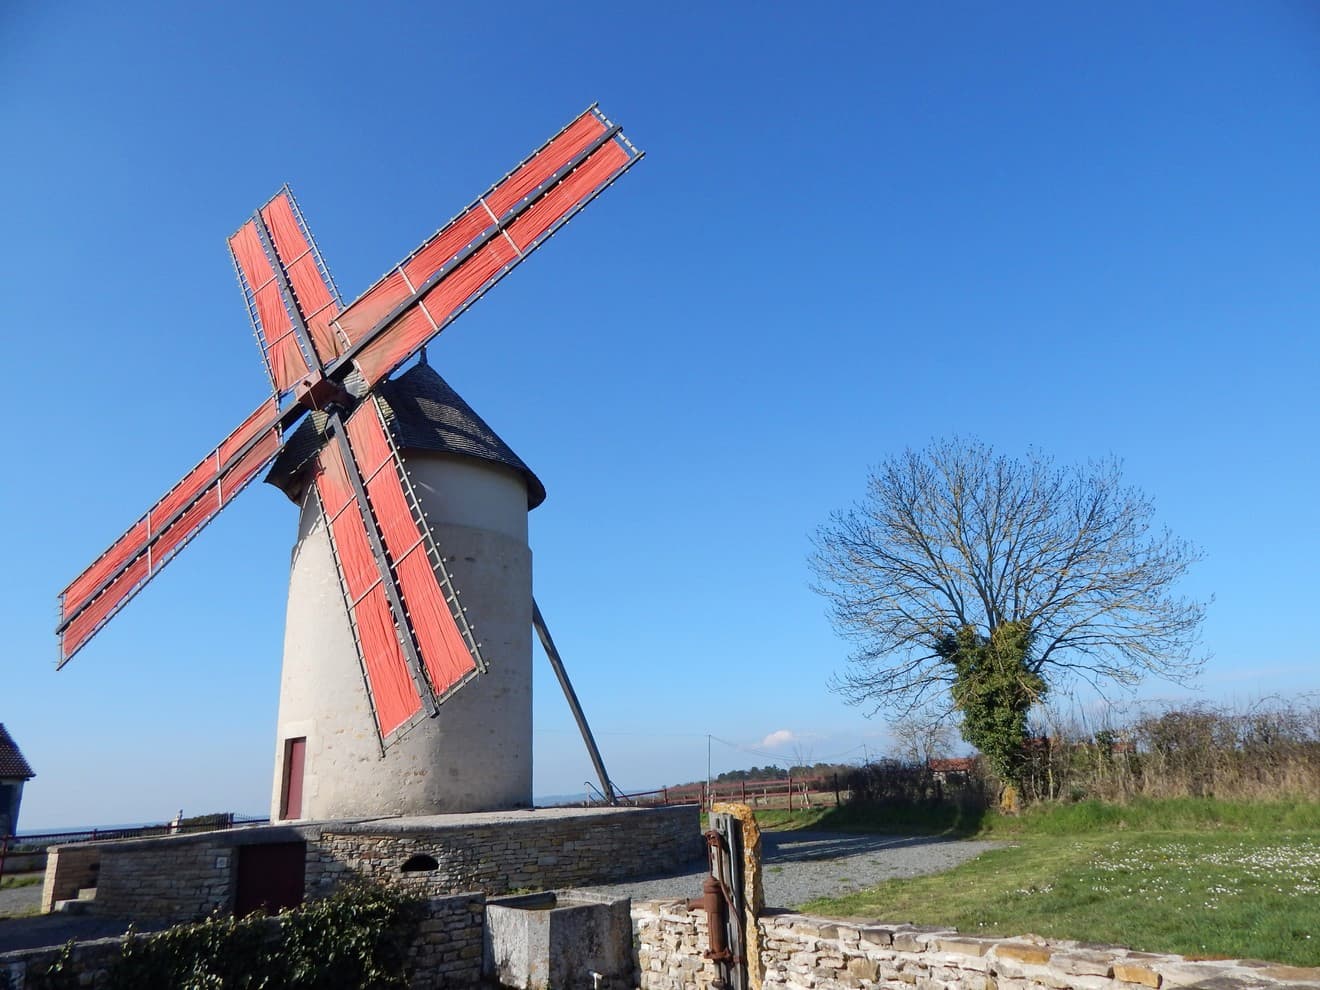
[356, 939]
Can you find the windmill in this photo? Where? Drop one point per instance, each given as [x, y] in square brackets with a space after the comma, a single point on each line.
[335, 425]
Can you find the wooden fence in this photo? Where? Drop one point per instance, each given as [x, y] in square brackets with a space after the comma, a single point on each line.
[793, 793]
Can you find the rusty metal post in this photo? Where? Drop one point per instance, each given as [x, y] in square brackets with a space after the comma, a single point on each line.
[712, 902]
[790, 792]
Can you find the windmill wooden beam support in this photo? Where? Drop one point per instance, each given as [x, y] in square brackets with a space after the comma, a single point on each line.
[561, 673]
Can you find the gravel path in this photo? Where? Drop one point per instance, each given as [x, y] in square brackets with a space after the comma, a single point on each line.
[20, 900]
[801, 865]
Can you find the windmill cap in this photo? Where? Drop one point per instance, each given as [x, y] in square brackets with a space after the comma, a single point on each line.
[12, 763]
[424, 413]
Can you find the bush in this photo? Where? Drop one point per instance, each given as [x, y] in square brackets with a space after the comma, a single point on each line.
[1270, 752]
[356, 939]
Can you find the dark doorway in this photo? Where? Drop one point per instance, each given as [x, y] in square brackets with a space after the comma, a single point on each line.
[269, 877]
[295, 757]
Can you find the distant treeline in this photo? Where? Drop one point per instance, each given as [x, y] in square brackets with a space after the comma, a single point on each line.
[1267, 752]
[798, 772]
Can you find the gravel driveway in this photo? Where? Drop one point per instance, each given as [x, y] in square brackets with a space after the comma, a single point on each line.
[801, 865]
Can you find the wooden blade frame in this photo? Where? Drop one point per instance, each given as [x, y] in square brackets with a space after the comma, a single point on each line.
[124, 568]
[417, 299]
[391, 571]
[290, 296]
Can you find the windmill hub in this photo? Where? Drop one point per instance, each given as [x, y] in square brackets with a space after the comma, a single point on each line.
[316, 392]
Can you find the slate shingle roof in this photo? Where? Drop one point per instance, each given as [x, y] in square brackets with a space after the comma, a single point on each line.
[425, 414]
[12, 763]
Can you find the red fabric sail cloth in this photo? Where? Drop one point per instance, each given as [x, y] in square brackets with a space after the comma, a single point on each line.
[312, 292]
[394, 696]
[149, 544]
[285, 361]
[465, 283]
[445, 654]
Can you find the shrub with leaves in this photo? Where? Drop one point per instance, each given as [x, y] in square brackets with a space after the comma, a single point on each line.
[356, 939]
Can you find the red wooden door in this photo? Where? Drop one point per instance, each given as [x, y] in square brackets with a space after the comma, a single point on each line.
[295, 756]
[270, 876]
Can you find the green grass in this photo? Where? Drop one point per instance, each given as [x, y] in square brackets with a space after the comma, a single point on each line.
[910, 820]
[1200, 878]
[1175, 814]
[21, 880]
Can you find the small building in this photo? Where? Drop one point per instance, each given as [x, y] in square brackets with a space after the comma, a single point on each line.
[14, 773]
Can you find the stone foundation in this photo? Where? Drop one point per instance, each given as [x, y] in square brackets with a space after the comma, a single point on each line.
[805, 953]
[185, 877]
[508, 851]
[446, 953]
[68, 870]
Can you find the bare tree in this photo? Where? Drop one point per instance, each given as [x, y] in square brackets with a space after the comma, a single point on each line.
[955, 537]
[921, 736]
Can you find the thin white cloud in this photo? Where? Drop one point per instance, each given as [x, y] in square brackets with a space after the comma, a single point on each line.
[780, 737]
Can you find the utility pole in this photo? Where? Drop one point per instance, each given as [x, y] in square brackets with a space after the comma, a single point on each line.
[709, 802]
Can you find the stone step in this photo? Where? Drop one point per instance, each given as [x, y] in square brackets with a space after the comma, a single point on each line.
[71, 906]
[87, 894]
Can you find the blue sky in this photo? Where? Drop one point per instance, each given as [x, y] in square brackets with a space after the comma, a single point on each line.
[1089, 228]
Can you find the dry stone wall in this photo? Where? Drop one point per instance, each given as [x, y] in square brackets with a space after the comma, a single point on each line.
[166, 880]
[804, 953]
[445, 955]
[186, 877]
[68, 870]
[531, 854]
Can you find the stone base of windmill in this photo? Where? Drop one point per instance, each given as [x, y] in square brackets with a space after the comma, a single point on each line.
[183, 877]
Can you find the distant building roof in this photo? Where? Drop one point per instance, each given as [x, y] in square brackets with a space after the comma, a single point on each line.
[12, 763]
[425, 414]
[961, 764]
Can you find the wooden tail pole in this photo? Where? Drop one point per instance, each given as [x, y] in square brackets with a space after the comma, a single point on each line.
[543, 633]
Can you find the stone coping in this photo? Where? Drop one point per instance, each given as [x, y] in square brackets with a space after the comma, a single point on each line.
[477, 819]
[296, 831]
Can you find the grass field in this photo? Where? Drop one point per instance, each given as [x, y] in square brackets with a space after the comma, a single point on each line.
[21, 880]
[1200, 878]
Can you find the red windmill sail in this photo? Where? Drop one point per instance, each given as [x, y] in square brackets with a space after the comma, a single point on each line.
[413, 640]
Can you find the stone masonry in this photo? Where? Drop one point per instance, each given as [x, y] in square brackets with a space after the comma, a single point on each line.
[515, 851]
[805, 953]
[445, 955]
[182, 878]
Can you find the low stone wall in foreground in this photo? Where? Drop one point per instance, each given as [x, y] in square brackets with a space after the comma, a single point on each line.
[805, 953]
[446, 953]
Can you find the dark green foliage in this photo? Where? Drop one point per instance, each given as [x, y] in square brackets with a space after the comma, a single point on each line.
[994, 686]
[59, 975]
[798, 771]
[356, 939]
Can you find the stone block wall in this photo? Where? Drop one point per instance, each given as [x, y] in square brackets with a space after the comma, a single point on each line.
[68, 870]
[532, 853]
[448, 949]
[167, 880]
[805, 953]
[91, 962]
[184, 877]
[446, 954]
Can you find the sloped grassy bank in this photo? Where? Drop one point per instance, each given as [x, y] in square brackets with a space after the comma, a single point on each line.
[1199, 877]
